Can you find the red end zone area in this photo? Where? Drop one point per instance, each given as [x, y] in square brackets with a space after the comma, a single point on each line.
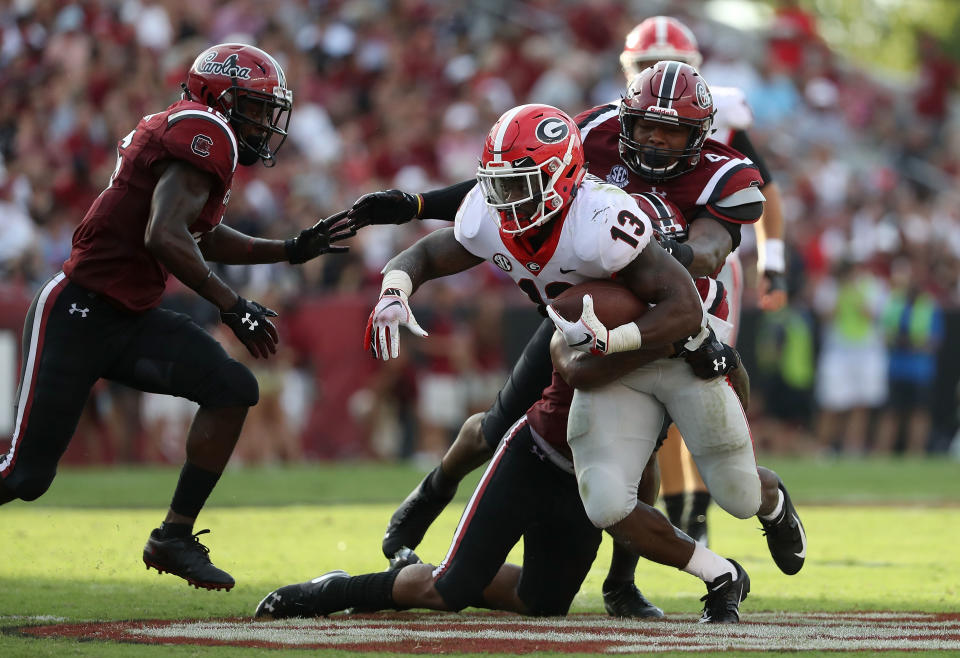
[510, 634]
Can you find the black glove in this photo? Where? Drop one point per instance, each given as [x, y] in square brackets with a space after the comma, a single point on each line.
[249, 322]
[318, 239]
[679, 250]
[384, 207]
[713, 358]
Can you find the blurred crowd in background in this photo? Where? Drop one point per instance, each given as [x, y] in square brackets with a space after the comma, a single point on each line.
[401, 94]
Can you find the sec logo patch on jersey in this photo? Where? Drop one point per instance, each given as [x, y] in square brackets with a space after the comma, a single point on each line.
[618, 176]
[502, 262]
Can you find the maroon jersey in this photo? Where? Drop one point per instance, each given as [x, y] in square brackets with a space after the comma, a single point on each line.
[109, 256]
[711, 184]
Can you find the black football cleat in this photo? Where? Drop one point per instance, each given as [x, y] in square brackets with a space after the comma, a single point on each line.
[300, 600]
[722, 601]
[185, 557]
[786, 538]
[625, 600]
[410, 522]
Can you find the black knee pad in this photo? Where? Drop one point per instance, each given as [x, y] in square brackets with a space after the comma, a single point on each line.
[230, 385]
[31, 486]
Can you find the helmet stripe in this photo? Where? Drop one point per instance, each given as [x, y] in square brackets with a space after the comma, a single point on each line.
[502, 131]
[660, 28]
[663, 212]
[668, 84]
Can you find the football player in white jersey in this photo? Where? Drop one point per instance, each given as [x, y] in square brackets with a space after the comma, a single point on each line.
[539, 218]
[665, 38]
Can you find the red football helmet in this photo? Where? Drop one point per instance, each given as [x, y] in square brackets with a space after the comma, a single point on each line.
[531, 166]
[672, 93]
[248, 87]
[659, 38]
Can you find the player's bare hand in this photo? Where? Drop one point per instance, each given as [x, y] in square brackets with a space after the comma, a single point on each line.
[382, 335]
[773, 291]
[249, 321]
[383, 207]
[319, 239]
[588, 334]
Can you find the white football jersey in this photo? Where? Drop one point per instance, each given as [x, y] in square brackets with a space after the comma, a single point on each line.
[603, 231]
[733, 113]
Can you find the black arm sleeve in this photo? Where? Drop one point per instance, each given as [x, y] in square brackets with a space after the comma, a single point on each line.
[443, 204]
[741, 142]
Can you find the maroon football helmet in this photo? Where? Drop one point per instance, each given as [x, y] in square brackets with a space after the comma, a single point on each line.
[249, 88]
[672, 93]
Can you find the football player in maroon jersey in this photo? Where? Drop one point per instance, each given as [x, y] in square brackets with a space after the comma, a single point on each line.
[716, 189]
[159, 215]
[665, 38]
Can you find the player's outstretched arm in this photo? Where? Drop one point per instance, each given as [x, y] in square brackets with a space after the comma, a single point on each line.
[582, 370]
[432, 257]
[399, 207]
[227, 245]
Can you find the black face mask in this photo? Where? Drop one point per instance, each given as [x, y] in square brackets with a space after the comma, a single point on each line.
[656, 158]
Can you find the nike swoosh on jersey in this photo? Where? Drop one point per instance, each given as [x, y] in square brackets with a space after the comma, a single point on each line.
[803, 538]
[563, 271]
[586, 339]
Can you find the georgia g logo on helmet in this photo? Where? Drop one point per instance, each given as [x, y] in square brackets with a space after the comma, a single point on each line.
[552, 130]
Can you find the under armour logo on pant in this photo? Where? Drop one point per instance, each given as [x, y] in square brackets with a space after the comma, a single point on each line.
[246, 320]
[720, 364]
[82, 311]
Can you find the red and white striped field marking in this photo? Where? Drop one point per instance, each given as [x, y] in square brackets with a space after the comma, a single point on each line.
[450, 633]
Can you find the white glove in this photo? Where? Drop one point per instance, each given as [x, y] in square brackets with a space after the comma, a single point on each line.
[587, 334]
[383, 326]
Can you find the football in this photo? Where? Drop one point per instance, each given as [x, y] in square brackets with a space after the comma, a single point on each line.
[613, 303]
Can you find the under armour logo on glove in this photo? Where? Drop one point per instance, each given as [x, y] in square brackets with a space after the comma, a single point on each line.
[75, 309]
[249, 323]
[713, 358]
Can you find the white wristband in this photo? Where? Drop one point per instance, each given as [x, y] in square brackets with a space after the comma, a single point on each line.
[397, 279]
[624, 338]
[770, 256]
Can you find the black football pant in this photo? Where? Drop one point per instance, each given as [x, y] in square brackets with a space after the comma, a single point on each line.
[521, 494]
[71, 338]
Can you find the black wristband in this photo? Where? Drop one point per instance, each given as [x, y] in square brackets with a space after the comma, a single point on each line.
[287, 248]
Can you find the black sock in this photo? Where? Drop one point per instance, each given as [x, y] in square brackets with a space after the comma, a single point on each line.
[170, 530]
[368, 593]
[674, 504]
[193, 489]
[623, 565]
[699, 505]
[440, 484]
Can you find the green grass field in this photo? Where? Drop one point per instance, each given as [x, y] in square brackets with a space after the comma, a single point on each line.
[883, 535]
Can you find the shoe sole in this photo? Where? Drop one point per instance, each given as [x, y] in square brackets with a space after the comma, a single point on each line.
[197, 584]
